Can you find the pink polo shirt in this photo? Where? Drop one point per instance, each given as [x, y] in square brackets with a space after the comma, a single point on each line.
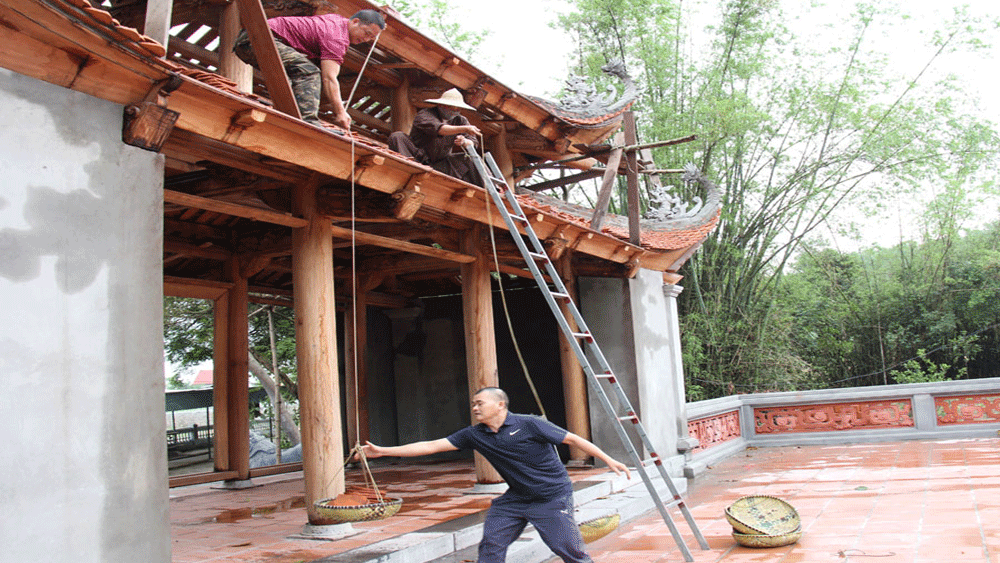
[322, 37]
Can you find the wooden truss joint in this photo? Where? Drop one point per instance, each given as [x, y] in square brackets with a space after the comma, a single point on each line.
[241, 121]
[463, 193]
[556, 246]
[477, 92]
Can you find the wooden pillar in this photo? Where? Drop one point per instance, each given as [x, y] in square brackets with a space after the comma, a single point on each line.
[157, 23]
[501, 154]
[480, 341]
[356, 369]
[574, 382]
[316, 348]
[402, 111]
[220, 382]
[237, 374]
[230, 66]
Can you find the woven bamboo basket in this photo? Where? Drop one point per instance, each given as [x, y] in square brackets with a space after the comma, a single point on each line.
[373, 509]
[595, 529]
[765, 540]
[763, 515]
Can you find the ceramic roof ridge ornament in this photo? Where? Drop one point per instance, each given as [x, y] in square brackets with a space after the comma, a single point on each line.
[581, 100]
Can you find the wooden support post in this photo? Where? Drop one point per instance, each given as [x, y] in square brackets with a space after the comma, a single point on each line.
[356, 367]
[610, 175]
[237, 374]
[402, 110]
[230, 66]
[501, 154]
[574, 383]
[480, 340]
[220, 382]
[255, 22]
[316, 337]
[632, 178]
[157, 23]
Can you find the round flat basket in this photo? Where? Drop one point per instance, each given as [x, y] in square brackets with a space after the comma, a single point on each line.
[765, 515]
[595, 529]
[762, 540]
[373, 510]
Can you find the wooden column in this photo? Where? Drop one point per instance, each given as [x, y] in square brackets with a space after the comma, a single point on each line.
[157, 24]
[220, 382]
[574, 382]
[608, 183]
[480, 341]
[402, 111]
[237, 374]
[316, 349]
[501, 154]
[230, 65]
[356, 369]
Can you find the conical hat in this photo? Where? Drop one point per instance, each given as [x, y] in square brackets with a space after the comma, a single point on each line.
[451, 98]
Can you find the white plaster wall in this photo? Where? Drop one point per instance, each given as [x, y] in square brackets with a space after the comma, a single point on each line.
[654, 362]
[83, 477]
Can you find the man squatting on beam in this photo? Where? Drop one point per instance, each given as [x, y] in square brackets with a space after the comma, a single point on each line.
[438, 135]
[312, 50]
[521, 448]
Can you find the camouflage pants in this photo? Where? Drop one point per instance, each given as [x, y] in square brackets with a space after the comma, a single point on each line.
[302, 73]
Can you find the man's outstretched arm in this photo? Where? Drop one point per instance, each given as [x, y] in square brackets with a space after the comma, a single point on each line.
[590, 448]
[409, 450]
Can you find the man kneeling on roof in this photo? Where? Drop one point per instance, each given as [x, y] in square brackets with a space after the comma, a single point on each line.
[312, 50]
[438, 135]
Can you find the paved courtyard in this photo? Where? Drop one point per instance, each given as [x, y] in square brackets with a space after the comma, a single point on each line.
[919, 501]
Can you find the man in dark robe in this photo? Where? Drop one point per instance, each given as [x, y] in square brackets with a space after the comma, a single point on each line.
[438, 135]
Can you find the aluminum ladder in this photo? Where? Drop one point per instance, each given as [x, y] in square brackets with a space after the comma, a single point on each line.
[495, 185]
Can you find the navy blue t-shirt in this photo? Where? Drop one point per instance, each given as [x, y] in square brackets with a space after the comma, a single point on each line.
[521, 451]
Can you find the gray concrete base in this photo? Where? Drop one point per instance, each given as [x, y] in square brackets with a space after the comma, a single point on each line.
[326, 533]
[486, 489]
[236, 484]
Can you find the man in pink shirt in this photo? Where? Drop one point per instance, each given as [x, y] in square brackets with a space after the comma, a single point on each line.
[312, 50]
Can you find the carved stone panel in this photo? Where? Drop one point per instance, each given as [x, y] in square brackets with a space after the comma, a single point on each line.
[714, 430]
[968, 409]
[865, 415]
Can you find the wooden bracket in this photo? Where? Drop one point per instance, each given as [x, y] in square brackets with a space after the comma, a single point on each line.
[463, 193]
[585, 235]
[633, 264]
[407, 204]
[506, 98]
[241, 121]
[556, 247]
[148, 123]
[446, 64]
[250, 266]
[477, 92]
[365, 163]
[416, 180]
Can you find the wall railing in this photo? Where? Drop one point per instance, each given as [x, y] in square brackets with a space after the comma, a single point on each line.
[917, 411]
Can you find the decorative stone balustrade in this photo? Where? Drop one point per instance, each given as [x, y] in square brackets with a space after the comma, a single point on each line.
[951, 409]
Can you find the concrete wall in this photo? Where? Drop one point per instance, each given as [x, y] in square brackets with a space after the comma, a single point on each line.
[607, 309]
[84, 477]
[658, 400]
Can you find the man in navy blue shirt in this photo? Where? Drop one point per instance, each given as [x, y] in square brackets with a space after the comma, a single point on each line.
[539, 492]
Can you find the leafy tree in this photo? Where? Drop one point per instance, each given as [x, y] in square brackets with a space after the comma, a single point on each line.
[793, 129]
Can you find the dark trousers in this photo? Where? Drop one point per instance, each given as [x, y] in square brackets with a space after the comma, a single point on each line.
[506, 519]
[303, 74]
[454, 165]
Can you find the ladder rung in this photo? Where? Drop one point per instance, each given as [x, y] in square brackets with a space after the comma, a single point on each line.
[583, 336]
[558, 295]
[538, 257]
[520, 218]
[609, 376]
[631, 417]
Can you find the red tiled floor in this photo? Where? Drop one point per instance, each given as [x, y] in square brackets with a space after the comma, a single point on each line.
[913, 502]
